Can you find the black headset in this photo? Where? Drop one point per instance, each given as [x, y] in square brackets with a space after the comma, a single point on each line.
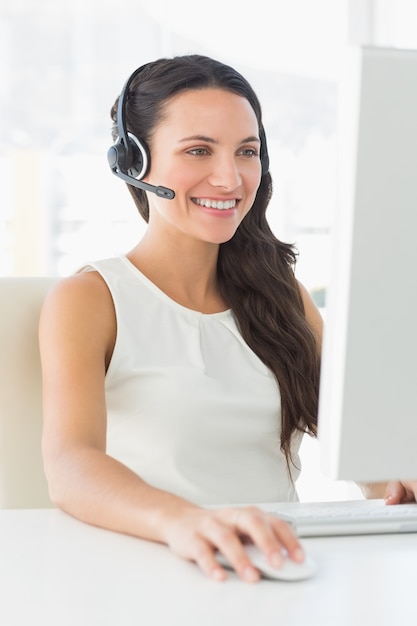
[129, 157]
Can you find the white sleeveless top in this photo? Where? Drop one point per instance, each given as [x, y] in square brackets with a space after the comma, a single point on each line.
[191, 408]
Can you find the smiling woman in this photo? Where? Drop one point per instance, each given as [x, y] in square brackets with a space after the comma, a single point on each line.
[185, 372]
[217, 170]
[60, 206]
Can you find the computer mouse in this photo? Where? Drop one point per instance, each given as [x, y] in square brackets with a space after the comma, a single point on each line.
[289, 571]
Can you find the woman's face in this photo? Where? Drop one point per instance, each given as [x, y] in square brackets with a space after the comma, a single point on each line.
[206, 148]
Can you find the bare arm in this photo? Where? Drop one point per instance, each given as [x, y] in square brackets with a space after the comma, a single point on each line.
[77, 335]
[77, 332]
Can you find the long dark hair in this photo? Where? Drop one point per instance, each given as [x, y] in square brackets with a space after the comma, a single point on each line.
[255, 269]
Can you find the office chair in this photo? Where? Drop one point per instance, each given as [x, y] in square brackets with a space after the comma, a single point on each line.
[22, 479]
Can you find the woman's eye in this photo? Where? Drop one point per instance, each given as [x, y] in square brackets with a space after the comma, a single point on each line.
[250, 152]
[198, 151]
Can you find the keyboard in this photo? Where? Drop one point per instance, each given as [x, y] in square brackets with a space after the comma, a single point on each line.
[352, 517]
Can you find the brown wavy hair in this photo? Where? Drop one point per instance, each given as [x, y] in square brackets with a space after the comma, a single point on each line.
[255, 269]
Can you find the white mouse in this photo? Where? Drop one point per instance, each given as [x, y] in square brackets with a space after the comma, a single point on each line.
[289, 571]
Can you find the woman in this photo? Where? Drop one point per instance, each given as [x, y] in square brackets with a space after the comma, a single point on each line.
[185, 373]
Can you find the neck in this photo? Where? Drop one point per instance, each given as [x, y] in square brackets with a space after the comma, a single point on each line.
[185, 270]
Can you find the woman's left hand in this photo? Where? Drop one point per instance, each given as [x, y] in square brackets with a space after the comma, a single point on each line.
[397, 492]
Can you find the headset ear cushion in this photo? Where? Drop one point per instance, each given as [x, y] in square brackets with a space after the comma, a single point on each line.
[116, 156]
[139, 162]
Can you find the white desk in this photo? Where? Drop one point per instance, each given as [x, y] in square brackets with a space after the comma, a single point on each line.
[56, 571]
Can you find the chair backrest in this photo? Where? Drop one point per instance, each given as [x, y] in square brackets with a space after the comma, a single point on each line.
[22, 479]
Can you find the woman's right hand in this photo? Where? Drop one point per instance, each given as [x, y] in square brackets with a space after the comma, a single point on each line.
[197, 534]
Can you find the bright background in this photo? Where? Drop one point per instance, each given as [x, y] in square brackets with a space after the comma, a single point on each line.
[62, 64]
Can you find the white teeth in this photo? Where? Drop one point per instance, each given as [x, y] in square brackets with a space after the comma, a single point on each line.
[213, 204]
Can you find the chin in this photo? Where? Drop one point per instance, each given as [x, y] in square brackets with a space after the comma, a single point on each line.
[221, 235]
[222, 238]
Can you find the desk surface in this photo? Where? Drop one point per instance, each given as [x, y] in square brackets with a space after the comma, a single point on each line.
[57, 571]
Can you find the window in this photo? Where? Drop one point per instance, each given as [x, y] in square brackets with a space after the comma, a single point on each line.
[64, 64]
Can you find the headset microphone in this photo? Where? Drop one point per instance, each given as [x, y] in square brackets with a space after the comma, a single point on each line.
[114, 162]
[129, 157]
[163, 192]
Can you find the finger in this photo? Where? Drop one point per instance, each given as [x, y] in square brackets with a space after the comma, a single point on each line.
[272, 535]
[394, 493]
[226, 540]
[397, 492]
[287, 536]
[411, 490]
[207, 562]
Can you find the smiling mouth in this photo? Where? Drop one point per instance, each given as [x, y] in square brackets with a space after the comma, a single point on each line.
[221, 205]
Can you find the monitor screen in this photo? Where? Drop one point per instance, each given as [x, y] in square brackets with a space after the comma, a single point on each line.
[368, 393]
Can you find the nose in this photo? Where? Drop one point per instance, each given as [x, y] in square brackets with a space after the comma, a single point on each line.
[225, 173]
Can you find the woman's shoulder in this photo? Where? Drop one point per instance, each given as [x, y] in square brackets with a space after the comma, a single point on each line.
[79, 301]
[78, 289]
[86, 285]
[78, 317]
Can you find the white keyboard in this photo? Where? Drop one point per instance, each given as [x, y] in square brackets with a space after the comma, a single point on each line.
[312, 519]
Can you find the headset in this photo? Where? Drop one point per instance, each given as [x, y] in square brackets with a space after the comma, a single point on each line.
[129, 157]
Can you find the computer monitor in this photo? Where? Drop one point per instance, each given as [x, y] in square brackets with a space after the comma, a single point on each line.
[368, 394]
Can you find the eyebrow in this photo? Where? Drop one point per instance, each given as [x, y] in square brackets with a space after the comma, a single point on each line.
[215, 141]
